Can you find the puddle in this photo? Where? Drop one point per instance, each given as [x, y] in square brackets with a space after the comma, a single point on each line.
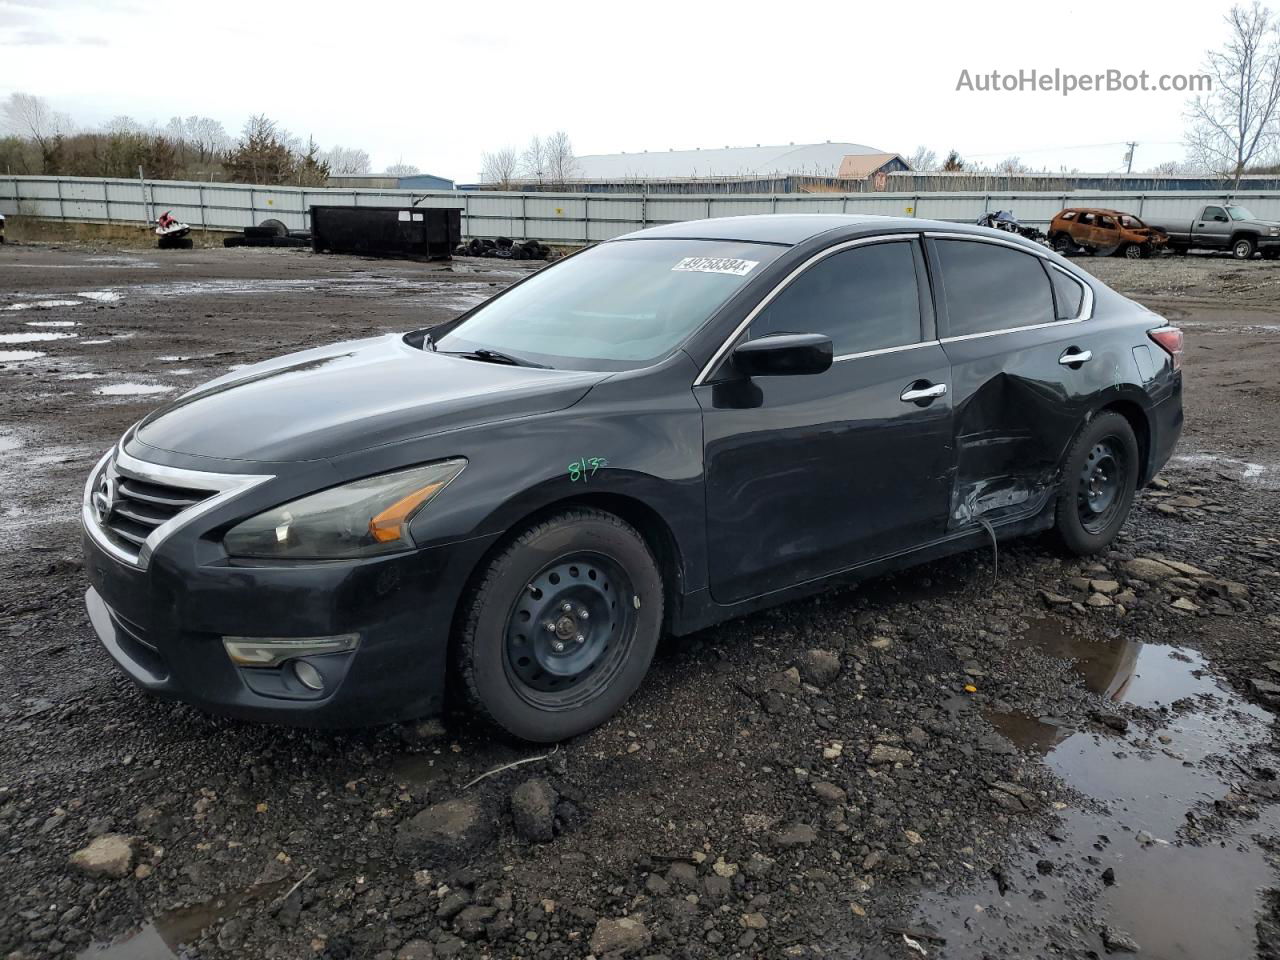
[93, 343]
[132, 389]
[52, 323]
[9, 443]
[1181, 894]
[161, 938]
[87, 375]
[13, 356]
[102, 296]
[32, 337]
[41, 305]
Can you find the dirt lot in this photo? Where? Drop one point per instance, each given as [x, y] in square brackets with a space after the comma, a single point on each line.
[1043, 757]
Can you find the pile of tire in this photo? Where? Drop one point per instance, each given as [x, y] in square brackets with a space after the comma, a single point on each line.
[504, 248]
[269, 233]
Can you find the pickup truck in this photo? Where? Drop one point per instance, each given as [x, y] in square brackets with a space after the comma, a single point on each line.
[1226, 226]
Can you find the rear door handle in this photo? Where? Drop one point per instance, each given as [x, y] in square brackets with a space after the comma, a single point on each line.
[914, 394]
[1074, 356]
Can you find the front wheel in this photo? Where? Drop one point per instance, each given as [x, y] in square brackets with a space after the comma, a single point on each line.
[1099, 477]
[1243, 249]
[1134, 251]
[1062, 244]
[561, 627]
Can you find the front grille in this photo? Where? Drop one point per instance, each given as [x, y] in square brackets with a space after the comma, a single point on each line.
[138, 506]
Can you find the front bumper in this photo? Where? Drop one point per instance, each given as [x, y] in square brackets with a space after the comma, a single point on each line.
[163, 626]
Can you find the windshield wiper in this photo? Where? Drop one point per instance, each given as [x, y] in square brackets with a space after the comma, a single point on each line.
[493, 356]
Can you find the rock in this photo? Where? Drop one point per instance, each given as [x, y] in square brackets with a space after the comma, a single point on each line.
[1117, 941]
[1112, 721]
[470, 923]
[657, 886]
[795, 835]
[1109, 877]
[416, 950]
[622, 936]
[445, 829]
[722, 869]
[882, 753]
[1148, 569]
[754, 921]
[785, 681]
[1185, 568]
[758, 866]
[1012, 797]
[422, 731]
[913, 838]
[109, 855]
[1098, 600]
[533, 808]
[1054, 599]
[1107, 587]
[881, 643]
[1265, 688]
[819, 667]
[1185, 605]
[830, 793]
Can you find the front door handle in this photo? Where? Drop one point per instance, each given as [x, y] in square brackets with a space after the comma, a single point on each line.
[1074, 357]
[924, 394]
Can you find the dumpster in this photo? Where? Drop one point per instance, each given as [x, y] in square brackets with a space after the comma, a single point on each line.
[430, 232]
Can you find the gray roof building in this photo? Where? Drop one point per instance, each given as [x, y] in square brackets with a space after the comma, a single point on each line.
[800, 159]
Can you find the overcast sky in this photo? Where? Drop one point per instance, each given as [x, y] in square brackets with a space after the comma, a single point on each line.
[437, 84]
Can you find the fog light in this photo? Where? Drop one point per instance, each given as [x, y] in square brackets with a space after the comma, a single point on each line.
[273, 651]
[308, 675]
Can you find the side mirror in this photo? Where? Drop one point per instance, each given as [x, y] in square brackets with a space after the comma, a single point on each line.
[784, 354]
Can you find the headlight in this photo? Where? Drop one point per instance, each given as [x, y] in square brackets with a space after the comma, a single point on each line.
[360, 519]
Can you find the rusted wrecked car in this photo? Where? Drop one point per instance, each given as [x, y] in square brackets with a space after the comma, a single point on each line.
[1103, 233]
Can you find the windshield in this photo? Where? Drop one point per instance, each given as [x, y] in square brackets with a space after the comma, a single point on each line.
[1239, 213]
[616, 306]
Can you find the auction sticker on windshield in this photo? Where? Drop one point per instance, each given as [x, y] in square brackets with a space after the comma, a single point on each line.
[731, 265]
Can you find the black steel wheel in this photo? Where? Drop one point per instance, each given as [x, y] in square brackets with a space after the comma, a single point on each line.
[1100, 486]
[567, 634]
[561, 625]
[1099, 479]
[1062, 243]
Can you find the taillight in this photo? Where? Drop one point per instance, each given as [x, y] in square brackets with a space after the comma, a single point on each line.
[1170, 340]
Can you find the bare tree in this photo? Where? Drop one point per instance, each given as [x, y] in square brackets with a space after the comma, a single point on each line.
[30, 116]
[923, 160]
[500, 167]
[1011, 167]
[562, 165]
[1239, 119]
[533, 162]
[402, 169]
[348, 161]
[122, 124]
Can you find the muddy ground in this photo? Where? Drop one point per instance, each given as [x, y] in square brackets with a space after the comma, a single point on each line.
[1043, 757]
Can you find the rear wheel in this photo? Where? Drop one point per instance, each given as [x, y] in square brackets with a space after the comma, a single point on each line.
[1099, 477]
[562, 626]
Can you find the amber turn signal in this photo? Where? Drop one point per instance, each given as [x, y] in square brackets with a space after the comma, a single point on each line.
[390, 523]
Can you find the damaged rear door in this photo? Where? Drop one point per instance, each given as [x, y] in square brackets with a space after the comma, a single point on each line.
[1023, 372]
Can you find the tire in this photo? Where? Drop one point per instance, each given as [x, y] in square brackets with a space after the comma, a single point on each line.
[511, 673]
[1270, 254]
[1134, 251]
[1243, 248]
[276, 227]
[1099, 478]
[1062, 244]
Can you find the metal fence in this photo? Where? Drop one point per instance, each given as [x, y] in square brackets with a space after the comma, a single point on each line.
[566, 218]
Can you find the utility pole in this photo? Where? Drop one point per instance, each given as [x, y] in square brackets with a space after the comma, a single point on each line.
[1128, 157]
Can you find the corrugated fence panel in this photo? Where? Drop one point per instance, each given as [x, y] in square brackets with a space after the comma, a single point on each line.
[562, 217]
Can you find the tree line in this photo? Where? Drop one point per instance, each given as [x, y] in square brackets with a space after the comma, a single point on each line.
[40, 140]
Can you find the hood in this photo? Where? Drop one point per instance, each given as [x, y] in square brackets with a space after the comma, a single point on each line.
[351, 396]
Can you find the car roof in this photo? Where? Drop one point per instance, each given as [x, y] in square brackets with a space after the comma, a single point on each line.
[790, 229]
[1107, 210]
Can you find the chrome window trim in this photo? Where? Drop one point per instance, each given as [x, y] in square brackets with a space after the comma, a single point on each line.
[1086, 302]
[719, 355]
[226, 486]
[884, 350]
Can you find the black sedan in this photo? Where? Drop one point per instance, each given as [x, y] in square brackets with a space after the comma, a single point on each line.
[658, 433]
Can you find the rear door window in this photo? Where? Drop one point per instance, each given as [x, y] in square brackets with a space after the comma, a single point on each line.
[991, 287]
[864, 298]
